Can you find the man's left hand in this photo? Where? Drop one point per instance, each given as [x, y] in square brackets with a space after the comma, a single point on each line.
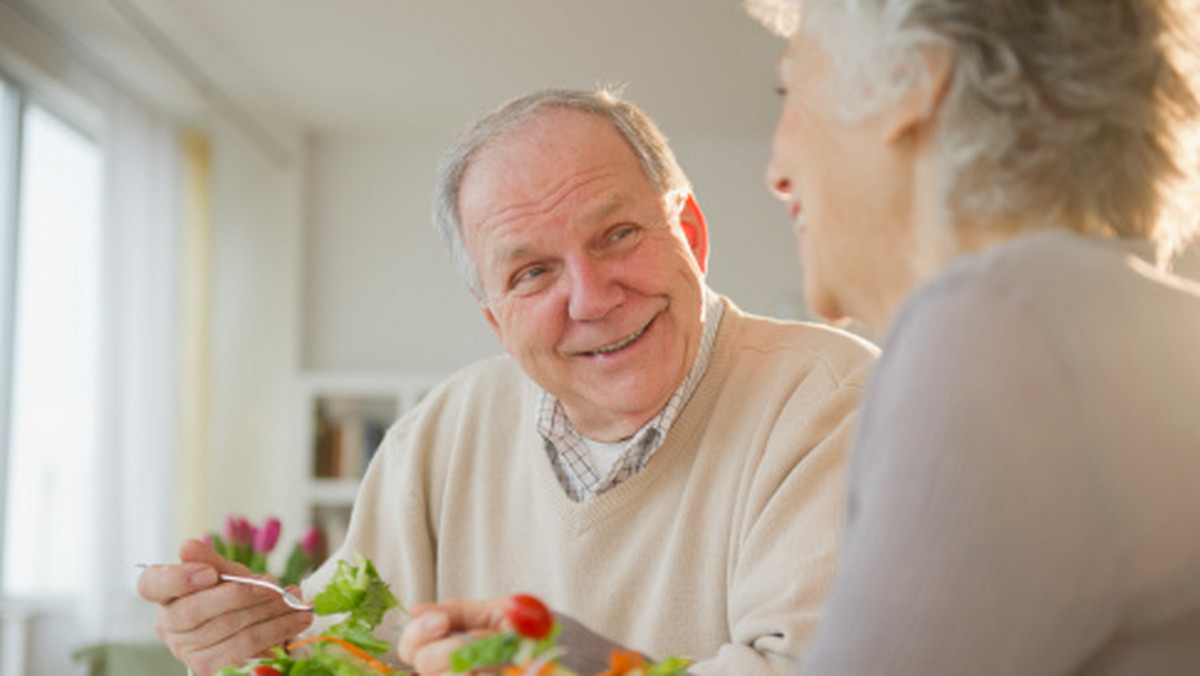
[436, 630]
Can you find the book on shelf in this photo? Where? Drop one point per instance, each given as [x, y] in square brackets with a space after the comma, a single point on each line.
[345, 445]
[332, 522]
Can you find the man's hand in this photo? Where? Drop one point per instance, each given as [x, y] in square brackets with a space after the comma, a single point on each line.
[209, 625]
[436, 630]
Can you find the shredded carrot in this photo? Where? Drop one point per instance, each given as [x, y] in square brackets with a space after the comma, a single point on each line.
[547, 669]
[350, 648]
[623, 662]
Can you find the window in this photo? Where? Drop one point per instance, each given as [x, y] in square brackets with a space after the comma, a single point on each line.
[51, 386]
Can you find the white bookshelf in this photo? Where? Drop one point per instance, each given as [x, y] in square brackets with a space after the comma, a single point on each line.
[341, 417]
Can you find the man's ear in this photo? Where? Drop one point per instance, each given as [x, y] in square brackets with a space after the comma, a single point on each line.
[691, 219]
[913, 110]
[491, 320]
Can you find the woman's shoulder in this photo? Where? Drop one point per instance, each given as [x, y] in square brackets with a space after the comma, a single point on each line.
[1078, 301]
[1052, 277]
[1038, 264]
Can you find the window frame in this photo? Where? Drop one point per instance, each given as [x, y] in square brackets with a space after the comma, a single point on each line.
[18, 97]
[11, 147]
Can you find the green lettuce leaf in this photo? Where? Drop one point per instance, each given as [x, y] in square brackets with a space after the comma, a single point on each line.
[359, 591]
[488, 651]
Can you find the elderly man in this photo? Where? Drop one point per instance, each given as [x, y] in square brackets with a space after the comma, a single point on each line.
[660, 467]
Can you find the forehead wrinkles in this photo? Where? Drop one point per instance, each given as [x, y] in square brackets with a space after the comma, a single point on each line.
[547, 201]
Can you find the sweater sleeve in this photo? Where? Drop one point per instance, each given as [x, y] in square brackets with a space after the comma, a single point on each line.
[789, 536]
[976, 542]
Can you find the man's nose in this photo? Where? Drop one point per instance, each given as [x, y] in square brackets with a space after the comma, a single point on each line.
[594, 290]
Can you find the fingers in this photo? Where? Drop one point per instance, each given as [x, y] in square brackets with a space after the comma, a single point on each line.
[433, 659]
[470, 615]
[195, 551]
[227, 625]
[163, 584]
[199, 570]
[208, 624]
[228, 601]
[232, 638]
[426, 626]
[436, 630]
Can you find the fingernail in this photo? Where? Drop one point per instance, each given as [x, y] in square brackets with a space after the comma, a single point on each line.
[434, 623]
[205, 577]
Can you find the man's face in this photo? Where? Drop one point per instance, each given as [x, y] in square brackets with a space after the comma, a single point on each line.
[591, 280]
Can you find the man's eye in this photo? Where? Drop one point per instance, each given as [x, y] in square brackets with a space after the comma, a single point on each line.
[781, 91]
[622, 233]
[527, 275]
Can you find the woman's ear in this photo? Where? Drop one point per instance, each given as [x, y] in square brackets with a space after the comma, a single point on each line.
[917, 107]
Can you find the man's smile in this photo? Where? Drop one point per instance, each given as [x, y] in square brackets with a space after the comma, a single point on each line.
[620, 344]
[614, 347]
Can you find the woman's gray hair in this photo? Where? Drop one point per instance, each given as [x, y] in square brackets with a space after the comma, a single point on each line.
[1058, 112]
[644, 137]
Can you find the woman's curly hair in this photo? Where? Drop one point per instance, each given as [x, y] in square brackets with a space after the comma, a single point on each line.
[1059, 113]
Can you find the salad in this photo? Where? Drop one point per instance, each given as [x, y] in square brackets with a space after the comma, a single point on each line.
[349, 648]
[530, 648]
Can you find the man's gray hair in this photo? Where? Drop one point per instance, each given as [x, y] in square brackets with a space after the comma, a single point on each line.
[643, 136]
[1075, 113]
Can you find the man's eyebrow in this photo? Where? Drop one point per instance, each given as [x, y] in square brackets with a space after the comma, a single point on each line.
[604, 210]
[502, 254]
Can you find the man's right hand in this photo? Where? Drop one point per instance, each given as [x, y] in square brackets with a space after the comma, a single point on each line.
[208, 625]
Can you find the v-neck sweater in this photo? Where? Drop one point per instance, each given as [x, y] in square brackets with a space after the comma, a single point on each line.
[721, 549]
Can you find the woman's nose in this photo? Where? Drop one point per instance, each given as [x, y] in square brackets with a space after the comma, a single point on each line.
[778, 183]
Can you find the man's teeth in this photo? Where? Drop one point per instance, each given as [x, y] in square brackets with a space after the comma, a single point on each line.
[616, 346]
[800, 223]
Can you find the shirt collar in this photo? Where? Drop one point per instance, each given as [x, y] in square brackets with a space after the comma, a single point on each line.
[566, 447]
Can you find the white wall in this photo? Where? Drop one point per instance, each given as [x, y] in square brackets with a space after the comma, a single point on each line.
[380, 293]
[753, 256]
[258, 211]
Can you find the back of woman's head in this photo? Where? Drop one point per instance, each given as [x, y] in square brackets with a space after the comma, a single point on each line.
[1072, 113]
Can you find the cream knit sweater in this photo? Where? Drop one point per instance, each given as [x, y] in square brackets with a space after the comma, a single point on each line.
[722, 549]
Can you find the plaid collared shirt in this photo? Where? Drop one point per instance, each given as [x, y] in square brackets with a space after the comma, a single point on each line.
[568, 451]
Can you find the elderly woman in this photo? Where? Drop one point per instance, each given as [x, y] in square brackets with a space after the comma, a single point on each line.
[989, 185]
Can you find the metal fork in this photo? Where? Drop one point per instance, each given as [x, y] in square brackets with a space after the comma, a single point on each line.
[288, 597]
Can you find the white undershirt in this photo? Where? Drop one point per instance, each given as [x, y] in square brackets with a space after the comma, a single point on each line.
[605, 454]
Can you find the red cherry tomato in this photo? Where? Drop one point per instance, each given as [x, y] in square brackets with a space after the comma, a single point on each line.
[529, 616]
[265, 670]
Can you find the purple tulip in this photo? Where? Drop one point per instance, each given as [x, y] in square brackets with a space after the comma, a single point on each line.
[238, 531]
[232, 529]
[310, 540]
[246, 533]
[266, 537]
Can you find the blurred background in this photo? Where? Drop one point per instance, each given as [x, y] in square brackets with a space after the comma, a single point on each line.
[218, 280]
